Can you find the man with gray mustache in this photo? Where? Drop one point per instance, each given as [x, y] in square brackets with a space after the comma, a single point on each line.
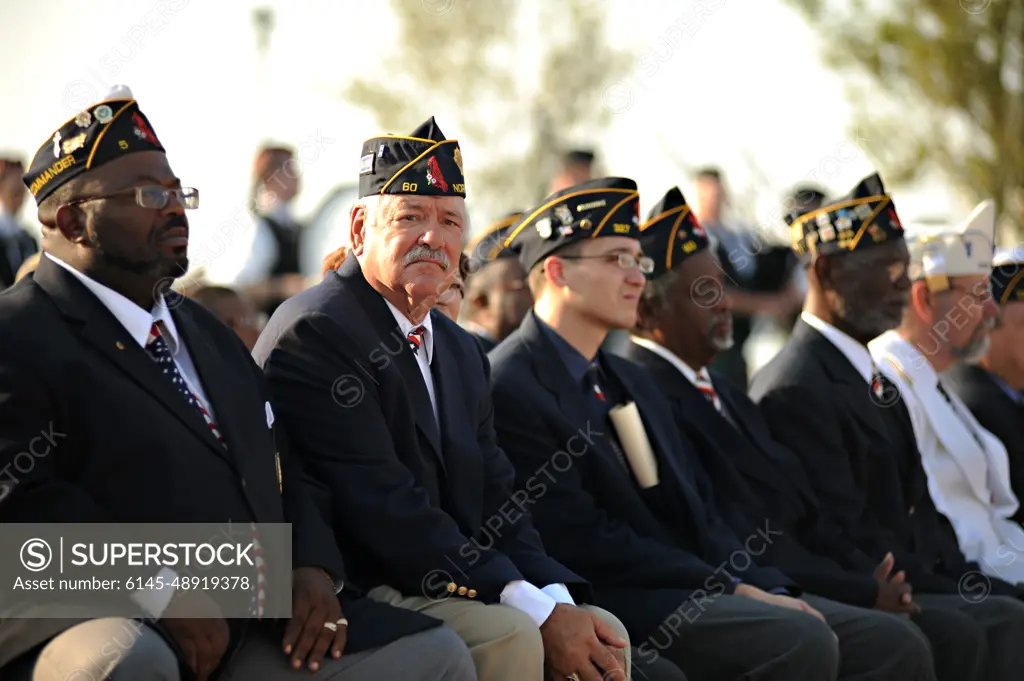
[388, 403]
[949, 320]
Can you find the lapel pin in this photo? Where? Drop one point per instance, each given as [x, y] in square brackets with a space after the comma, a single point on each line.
[120, 345]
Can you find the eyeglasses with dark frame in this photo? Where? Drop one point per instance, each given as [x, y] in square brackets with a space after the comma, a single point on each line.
[154, 197]
[626, 261]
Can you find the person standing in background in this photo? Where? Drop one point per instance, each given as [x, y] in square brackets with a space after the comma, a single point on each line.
[271, 273]
[577, 166]
[754, 279]
[16, 245]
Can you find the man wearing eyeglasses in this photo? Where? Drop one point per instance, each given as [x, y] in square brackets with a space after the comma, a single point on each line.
[948, 321]
[612, 486]
[120, 404]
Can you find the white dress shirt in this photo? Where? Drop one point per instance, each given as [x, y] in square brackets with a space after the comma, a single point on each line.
[137, 322]
[519, 594]
[968, 468]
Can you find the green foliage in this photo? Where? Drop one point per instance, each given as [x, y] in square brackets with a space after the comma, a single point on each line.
[954, 71]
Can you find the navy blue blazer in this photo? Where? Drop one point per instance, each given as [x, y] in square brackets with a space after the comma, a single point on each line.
[644, 551]
[423, 509]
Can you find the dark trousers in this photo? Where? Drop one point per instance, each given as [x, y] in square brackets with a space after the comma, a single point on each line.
[981, 641]
[733, 637]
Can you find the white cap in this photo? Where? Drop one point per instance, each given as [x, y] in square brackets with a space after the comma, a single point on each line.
[117, 92]
[936, 255]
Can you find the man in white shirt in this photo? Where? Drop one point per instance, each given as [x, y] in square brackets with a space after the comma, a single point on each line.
[824, 398]
[120, 404]
[388, 404]
[948, 320]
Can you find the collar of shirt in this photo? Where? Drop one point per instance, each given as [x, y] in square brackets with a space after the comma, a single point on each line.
[8, 224]
[576, 363]
[406, 326]
[907, 359]
[669, 356]
[136, 321]
[281, 213]
[858, 355]
[473, 327]
[1014, 395]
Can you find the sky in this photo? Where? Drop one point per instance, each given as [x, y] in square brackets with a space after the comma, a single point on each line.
[718, 81]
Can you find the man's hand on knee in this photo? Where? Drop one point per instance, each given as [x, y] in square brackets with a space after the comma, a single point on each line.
[577, 642]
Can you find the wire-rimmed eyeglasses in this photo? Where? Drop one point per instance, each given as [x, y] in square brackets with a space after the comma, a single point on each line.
[626, 261]
[156, 198]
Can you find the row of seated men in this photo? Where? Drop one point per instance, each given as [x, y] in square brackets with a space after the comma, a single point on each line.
[549, 509]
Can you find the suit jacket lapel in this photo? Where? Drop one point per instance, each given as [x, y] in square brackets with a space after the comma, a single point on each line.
[762, 464]
[215, 380]
[671, 465]
[101, 329]
[844, 374]
[457, 434]
[395, 347]
[551, 373]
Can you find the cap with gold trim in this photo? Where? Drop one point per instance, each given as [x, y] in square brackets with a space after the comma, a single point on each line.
[608, 206]
[107, 130]
[489, 245]
[671, 233]
[863, 218]
[1008, 275]
[424, 163]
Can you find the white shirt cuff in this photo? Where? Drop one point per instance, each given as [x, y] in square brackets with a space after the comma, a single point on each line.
[560, 592]
[155, 600]
[524, 596]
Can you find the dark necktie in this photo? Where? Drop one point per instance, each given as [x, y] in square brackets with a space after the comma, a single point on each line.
[415, 338]
[157, 348]
[599, 406]
[963, 419]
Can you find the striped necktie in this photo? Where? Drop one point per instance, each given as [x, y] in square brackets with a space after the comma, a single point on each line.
[158, 350]
[416, 338]
[704, 384]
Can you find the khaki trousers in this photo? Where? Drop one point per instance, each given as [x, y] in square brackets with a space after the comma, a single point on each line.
[505, 643]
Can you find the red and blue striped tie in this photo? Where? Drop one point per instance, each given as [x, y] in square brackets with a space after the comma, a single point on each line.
[157, 348]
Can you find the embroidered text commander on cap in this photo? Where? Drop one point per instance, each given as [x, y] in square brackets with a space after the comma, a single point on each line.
[103, 132]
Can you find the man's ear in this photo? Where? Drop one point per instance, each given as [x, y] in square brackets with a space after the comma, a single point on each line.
[825, 271]
[70, 222]
[923, 301]
[554, 270]
[357, 228]
[479, 301]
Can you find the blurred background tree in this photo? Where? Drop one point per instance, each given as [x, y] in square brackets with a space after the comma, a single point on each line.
[955, 71]
[468, 59]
